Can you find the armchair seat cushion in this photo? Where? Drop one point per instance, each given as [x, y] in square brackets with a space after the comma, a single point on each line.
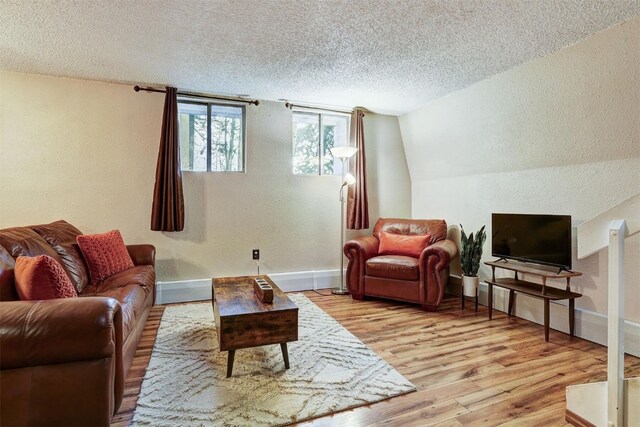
[397, 267]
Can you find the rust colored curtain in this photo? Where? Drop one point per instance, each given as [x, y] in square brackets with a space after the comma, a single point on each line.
[167, 213]
[357, 199]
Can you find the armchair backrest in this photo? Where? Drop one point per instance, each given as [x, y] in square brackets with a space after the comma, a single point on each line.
[437, 228]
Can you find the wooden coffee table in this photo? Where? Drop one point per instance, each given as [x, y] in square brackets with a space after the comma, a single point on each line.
[243, 321]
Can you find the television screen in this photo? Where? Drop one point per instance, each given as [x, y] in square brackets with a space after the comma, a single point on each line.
[542, 239]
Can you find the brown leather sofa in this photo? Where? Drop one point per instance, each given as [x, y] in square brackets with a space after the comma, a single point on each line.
[64, 361]
[420, 280]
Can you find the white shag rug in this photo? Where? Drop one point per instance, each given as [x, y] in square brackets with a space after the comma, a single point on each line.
[331, 370]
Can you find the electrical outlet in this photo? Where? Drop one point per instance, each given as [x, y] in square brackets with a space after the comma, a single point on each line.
[256, 254]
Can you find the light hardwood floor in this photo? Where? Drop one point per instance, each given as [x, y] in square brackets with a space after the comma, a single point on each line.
[469, 371]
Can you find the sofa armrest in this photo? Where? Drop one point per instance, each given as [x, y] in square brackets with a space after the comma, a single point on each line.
[58, 348]
[142, 254]
[434, 272]
[358, 251]
[34, 333]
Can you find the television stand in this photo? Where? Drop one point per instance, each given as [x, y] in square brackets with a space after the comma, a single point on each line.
[540, 291]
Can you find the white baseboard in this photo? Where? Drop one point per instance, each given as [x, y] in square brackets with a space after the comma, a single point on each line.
[590, 325]
[200, 289]
[307, 280]
[183, 291]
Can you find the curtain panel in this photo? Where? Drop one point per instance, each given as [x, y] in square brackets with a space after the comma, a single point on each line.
[167, 212]
[357, 198]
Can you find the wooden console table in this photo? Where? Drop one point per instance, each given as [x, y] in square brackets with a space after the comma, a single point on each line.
[535, 290]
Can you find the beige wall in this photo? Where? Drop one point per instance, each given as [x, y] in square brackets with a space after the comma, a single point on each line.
[558, 135]
[85, 151]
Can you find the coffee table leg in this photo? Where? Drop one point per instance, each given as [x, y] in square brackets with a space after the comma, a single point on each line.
[285, 354]
[230, 357]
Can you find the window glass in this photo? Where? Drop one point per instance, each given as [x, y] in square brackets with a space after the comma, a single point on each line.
[306, 153]
[214, 145]
[314, 135]
[192, 125]
[335, 131]
[226, 139]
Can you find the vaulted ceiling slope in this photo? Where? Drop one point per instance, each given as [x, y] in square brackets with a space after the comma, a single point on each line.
[391, 56]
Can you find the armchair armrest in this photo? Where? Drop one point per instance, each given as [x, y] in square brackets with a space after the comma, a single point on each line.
[367, 247]
[142, 254]
[446, 250]
[34, 333]
[358, 251]
[434, 272]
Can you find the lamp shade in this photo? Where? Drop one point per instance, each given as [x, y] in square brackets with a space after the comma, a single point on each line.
[343, 152]
[349, 179]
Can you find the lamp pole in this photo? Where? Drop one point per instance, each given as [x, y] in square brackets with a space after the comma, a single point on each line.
[342, 290]
[343, 153]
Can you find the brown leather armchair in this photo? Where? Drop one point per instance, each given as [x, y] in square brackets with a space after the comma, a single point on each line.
[420, 280]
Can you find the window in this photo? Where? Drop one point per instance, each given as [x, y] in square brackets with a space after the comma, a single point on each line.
[314, 135]
[211, 136]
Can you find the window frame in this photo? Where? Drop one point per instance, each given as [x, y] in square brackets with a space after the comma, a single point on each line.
[208, 104]
[320, 114]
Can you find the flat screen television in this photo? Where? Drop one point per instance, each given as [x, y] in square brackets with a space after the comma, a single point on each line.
[541, 239]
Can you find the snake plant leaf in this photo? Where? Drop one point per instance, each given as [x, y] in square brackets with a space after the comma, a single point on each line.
[471, 251]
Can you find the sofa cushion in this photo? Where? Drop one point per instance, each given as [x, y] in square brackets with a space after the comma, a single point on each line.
[141, 275]
[61, 236]
[131, 288]
[7, 284]
[393, 267]
[401, 244]
[23, 241]
[41, 278]
[132, 301]
[106, 254]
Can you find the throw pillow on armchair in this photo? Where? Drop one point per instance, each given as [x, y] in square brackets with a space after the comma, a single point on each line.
[400, 244]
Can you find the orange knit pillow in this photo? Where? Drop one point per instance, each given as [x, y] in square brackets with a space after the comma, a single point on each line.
[106, 254]
[42, 277]
[403, 244]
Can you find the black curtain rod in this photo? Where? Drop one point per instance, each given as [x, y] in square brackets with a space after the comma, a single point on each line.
[291, 106]
[199, 95]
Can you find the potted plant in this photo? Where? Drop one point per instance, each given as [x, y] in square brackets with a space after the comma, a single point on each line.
[470, 259]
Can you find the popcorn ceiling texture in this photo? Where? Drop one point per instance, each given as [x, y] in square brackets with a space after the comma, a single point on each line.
[389, 56]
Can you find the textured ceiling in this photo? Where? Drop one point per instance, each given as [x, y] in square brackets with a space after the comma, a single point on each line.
[390, 56]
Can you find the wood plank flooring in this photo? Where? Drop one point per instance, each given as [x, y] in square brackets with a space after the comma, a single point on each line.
[138, 368]
[469, 371]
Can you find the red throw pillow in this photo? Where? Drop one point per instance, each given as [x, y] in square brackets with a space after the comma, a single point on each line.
[42, 277]
[106, 254]
[403, 244]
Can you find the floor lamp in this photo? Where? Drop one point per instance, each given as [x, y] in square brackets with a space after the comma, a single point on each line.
[344, 154]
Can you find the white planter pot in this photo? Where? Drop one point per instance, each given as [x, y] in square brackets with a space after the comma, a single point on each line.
[469, 285]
